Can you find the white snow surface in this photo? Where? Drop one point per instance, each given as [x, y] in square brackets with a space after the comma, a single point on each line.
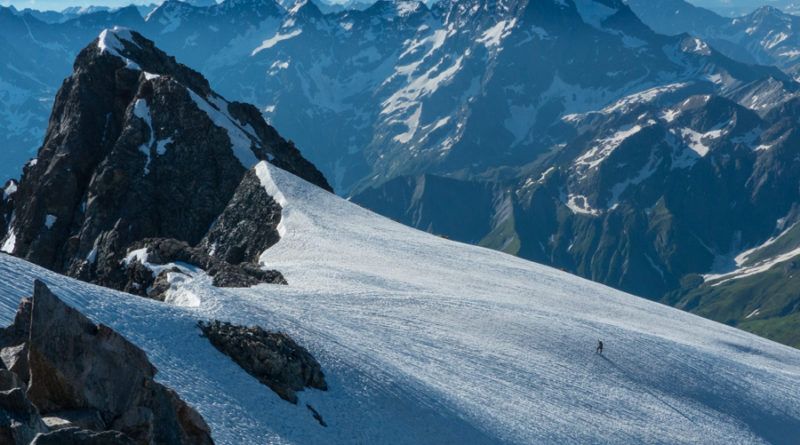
[425, 340]
[10, 242]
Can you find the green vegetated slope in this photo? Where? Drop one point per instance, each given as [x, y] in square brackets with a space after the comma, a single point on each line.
[765, 302]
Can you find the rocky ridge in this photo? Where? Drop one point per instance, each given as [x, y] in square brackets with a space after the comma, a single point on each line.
[66, 380]
[272, 357]
[140, 147]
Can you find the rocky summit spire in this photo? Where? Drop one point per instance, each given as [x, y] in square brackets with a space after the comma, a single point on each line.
[138, 146]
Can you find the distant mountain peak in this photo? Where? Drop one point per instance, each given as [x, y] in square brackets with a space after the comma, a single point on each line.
[306, 9]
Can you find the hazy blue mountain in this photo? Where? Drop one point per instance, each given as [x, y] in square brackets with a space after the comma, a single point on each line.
[736, 8]
[766, 36]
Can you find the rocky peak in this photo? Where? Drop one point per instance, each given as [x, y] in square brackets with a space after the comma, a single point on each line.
[766, 12]
[140, 54]
[138, 147]
[306, 10]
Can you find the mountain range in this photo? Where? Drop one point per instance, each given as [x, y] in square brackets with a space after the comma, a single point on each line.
[151, 182]
[563, 131]
[766, 36]
[737, 8]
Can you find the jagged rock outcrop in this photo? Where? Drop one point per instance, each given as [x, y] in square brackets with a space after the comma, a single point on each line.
[247, 226]
[141, 279]
[138, 147]
[85, 384]
[20, 421]
[272, 357]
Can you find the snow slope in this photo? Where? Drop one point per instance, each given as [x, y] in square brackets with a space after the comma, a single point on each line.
[425, 340]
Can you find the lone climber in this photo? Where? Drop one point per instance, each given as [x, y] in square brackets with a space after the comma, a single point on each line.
[599, 349]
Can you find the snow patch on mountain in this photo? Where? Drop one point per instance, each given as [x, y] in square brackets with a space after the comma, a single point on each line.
[110, 41]
[240, 143]
[580, 204]
[278, 37]
[49, 220]
[743, 269]
[602, 149]
[161, 145]
[694, 140]
[696, 46]
[412, 123]
[627, 103]
[10, 242]
[746, 271]
[142, 111]
[774, 39]
[494, 36]
[421, 86]
[406, 8]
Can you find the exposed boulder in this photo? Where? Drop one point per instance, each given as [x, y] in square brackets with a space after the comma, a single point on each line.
[161, 284]
[20, 421]
[15, 359]
[85, 379]
[272, 357]
[139, 147]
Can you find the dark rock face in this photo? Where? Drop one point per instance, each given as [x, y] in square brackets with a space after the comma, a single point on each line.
[77, 436]
[272, 357]
[139, 146]
[20, 421]
[7, 205]
[247, 226]
[84, 379]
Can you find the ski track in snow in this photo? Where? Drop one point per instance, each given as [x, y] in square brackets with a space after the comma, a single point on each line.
[424, 340]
